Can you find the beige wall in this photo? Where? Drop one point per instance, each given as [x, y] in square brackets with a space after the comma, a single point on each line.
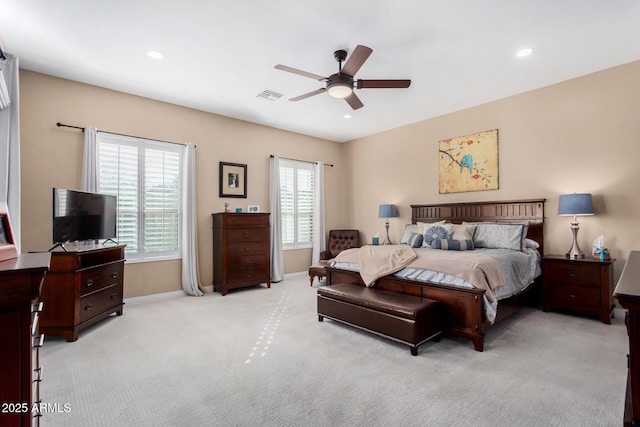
[52, 157]
[577, 136]
[581, 135]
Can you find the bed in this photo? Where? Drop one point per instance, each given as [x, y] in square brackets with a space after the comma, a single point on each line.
[465, 307]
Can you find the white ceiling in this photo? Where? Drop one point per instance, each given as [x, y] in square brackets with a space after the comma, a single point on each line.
[219, 54]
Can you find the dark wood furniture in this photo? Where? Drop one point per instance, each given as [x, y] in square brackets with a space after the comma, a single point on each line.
[83, 286]
[627, 292]
[20, 370]
[463, 307]
[583, 285]
[241, 250]
[407, 319]
[338, 241]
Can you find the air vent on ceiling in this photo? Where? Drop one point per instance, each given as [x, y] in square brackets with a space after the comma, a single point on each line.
[270, 95]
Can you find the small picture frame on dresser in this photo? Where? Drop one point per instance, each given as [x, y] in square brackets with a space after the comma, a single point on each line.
[7, 243]
[253, 208]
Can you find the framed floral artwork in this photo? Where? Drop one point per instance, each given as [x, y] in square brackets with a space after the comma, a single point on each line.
[469, 163]
[233, 180]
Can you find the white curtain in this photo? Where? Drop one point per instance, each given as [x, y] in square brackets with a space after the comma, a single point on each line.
[277, 265]
[190, 282]
[10, 143]
[90, 160]
[319, 244]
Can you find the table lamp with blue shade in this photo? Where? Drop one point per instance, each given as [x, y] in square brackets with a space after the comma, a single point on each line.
[576, 205]
[387, 211]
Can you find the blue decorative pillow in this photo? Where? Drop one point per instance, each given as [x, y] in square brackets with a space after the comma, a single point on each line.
[433, 233]
[415, 240]
[452, 245]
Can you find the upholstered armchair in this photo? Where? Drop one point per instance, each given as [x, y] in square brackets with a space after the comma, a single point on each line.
[339, 240]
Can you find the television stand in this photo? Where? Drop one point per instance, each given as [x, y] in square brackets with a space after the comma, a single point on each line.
[83, 286]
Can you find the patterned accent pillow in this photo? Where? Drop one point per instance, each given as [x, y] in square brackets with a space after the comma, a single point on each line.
[432, 233]
[409, 229]
[415, 240]
[452, 245]
[500, 236]
[422, 226]
[462, 232]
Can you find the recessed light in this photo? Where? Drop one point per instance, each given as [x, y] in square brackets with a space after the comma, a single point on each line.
[347, 116]
[524, 52]
[155, 55]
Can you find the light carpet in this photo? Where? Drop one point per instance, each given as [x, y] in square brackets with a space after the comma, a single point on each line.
[259, 357]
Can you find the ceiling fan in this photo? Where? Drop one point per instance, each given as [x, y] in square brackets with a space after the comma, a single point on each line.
[342, 83]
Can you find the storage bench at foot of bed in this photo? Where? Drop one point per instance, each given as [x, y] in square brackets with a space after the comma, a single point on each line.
[404, 318]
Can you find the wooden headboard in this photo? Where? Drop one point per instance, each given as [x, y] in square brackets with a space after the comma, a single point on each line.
[515, 211]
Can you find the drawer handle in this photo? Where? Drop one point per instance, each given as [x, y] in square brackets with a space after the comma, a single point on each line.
[574, 274]
[249, 261]
[574, 296]
[247, 249]
[39, 341]
[88, 307]
[114, 295]
[248, 275]
[38, 372]
[247, 234]
[114, 275]
[89, 282]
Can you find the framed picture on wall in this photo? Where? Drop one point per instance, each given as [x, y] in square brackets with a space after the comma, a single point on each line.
[233, 180]
[7, 244]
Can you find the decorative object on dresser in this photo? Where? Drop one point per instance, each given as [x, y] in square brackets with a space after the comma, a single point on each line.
[386, 212]
[233, 180]
[576, 205]
[241, 250]
[627, 292]
[582, 285]
[20, 311]
[7, 243]
[84, 285]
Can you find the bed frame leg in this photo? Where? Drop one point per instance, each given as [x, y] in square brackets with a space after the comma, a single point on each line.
[320, 318]
[478, 342]
[414, 351]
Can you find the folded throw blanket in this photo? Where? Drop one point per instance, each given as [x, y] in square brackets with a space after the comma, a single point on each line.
[378, 261]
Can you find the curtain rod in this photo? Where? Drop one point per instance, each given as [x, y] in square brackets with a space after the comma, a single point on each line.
[120, 134]
[304, 161]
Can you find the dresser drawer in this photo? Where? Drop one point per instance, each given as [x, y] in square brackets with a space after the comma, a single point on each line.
[95, 278]
[241, 276]
[97, 302]
[235, 220]
[247, 261]
[246, 248]
[572, 295]
[574, 274]
[255, 234]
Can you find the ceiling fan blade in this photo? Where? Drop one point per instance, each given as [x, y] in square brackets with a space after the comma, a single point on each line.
[299, 72]
[355, 61]
[354, 101]
[383, 84]
[307, 95]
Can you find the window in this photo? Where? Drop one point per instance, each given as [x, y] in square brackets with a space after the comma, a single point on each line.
[146, 177]
[296, 198]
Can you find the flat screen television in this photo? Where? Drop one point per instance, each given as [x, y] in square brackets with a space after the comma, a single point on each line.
[82, 216]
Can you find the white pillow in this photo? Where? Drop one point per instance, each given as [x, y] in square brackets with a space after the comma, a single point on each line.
[422, 226]
[462, 232]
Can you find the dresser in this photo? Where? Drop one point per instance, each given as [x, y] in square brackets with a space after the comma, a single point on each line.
[582, 285]
[20, 310]
[83, 286]
[241, 250]
[627, 292]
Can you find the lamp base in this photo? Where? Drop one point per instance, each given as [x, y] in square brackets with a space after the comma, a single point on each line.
[387, 241]
[575, 252]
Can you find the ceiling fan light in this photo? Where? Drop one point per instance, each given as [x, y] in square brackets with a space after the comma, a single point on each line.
[340, 90]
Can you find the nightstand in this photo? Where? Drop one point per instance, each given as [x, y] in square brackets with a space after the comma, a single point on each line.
[582, 285]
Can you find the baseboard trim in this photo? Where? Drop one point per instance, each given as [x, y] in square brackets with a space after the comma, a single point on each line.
[155, 297]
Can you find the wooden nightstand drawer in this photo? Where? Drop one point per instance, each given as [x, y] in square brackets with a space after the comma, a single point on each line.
[575, 274]
[575, 295]
[248, 234]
